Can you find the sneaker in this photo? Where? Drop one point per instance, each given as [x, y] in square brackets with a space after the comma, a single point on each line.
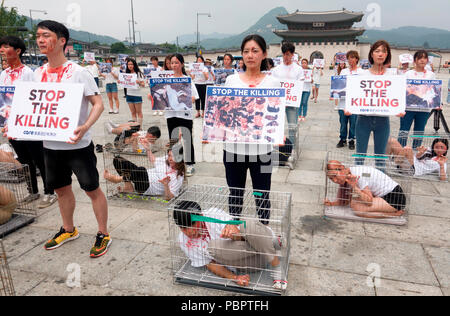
[351, 145]
[30, 198]
[116, 111]
[279, 282]
[48, 200]
[341, 144]
[190, 170]
[102, 243]
[155, 113]
[161, 113]
[61, 238]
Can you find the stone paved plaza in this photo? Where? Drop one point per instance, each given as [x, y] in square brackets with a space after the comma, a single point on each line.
[328, 257]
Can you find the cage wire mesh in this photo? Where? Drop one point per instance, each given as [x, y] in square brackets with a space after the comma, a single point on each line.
[417, 155]
[6, 282]
[288, 154]
[262, 251]
[376, 197]
[16, 180]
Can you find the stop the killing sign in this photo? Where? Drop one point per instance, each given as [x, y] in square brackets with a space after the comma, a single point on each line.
[45, 111]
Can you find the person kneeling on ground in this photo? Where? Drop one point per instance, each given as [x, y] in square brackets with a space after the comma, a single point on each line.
[369, 192]
[165, 179]
[431, 160]
[209, 242]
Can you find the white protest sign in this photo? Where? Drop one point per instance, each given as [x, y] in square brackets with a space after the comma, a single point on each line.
[406, 59]
[89, 56]
[128, 81]
[45, 111]
[308, 75]
[382, 96]
[319, 63]
[162, 74]
[294, 91]
[197, 69]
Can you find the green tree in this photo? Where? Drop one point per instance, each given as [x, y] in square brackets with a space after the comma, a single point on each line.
[11, 22]
[120, 48]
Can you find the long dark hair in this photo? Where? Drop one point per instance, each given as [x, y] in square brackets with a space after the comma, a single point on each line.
[181, 60]
[433, 153]
[168, 58]
[261, 43]
[137, 70]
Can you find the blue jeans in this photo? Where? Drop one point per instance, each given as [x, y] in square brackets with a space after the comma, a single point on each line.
[381, 128]
[303, 110]
[345, 128]
[292, 119]
[420, 120]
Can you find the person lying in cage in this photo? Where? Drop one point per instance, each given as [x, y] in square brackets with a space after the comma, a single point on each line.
[211, 239]
[164, 179]
[130, 133]
[369, 192]
[432, 160]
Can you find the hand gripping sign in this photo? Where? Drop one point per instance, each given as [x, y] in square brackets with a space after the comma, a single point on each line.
[45, 111]
[380, 96]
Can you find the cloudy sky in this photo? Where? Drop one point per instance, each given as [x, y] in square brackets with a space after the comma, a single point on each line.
[164, 20]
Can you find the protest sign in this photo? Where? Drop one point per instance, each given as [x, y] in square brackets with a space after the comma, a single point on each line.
[197, 69]
[171, 94]
[365, 64]
[341, 58]
[89, 56]
[105, 68]
[222, 75]
[162, 74]
[406, 59]
[123, 62]
[308, 75]
[294, 91]
[245, 115]
[423, 94]
[6, 98]
[277, 61]
[381, 95]
[45, 111]
[319, 63]
[338, 87]
[128, 81]
[295, 58]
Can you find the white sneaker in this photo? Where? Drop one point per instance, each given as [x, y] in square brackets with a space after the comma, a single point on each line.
[190, 170]
[279, 282]
[161, 113]
[116, 111]
[47, 201]
[155, 113]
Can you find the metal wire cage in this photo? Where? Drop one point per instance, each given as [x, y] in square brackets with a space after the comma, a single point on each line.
[417, 155]
[17, 180]
[357, 187]
[289, 154]
[140, 175]
[6, 282]
[260, 250]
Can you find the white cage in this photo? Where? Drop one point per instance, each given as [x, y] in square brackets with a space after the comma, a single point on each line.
[357, 188]
[261, 251]
[288, 155]
[6, 282]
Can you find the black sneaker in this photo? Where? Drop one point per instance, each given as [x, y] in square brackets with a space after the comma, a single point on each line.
[351, 145]
[341, 144]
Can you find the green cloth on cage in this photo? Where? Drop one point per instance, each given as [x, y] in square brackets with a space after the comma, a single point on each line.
[365, 156]
[199, 218]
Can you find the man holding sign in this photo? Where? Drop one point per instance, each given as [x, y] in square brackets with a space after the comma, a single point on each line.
[77, 154]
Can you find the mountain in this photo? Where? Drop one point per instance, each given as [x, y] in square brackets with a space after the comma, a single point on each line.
[263, 27]
[187, 39]
[412, 36]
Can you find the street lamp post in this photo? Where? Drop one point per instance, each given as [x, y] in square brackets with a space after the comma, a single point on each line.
[198, 35]
[31, 24]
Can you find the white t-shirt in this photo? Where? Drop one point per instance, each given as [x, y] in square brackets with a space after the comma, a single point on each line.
[292, 72]
[93, 69]
[210, 75]
[348, 72]
[159, 172]
[136, 92]
[200, 78]
[109, 76]
[71, 72]
[9, 77]
[234, 81]
[317, 75]
[427, 166]
[187, 115]
[377, 182]
[197, 249]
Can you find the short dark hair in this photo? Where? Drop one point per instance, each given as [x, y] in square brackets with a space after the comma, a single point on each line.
[155, 131]
[56, 27]
[288, 47]
[378, 44]
[354, 54]
[421, 54]
[154, 58]
[14, 42]
[229, 55]
[183, 211]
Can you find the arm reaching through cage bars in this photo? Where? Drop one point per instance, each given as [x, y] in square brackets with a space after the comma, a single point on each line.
[208, 240]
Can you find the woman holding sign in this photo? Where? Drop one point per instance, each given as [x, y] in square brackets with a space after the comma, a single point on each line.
[111, 87]
[417, 115]
[200, 75]
[239, 158]
[134, 96]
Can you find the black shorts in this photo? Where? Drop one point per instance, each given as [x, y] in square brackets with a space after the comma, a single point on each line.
[397, 198]
[60, 164]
